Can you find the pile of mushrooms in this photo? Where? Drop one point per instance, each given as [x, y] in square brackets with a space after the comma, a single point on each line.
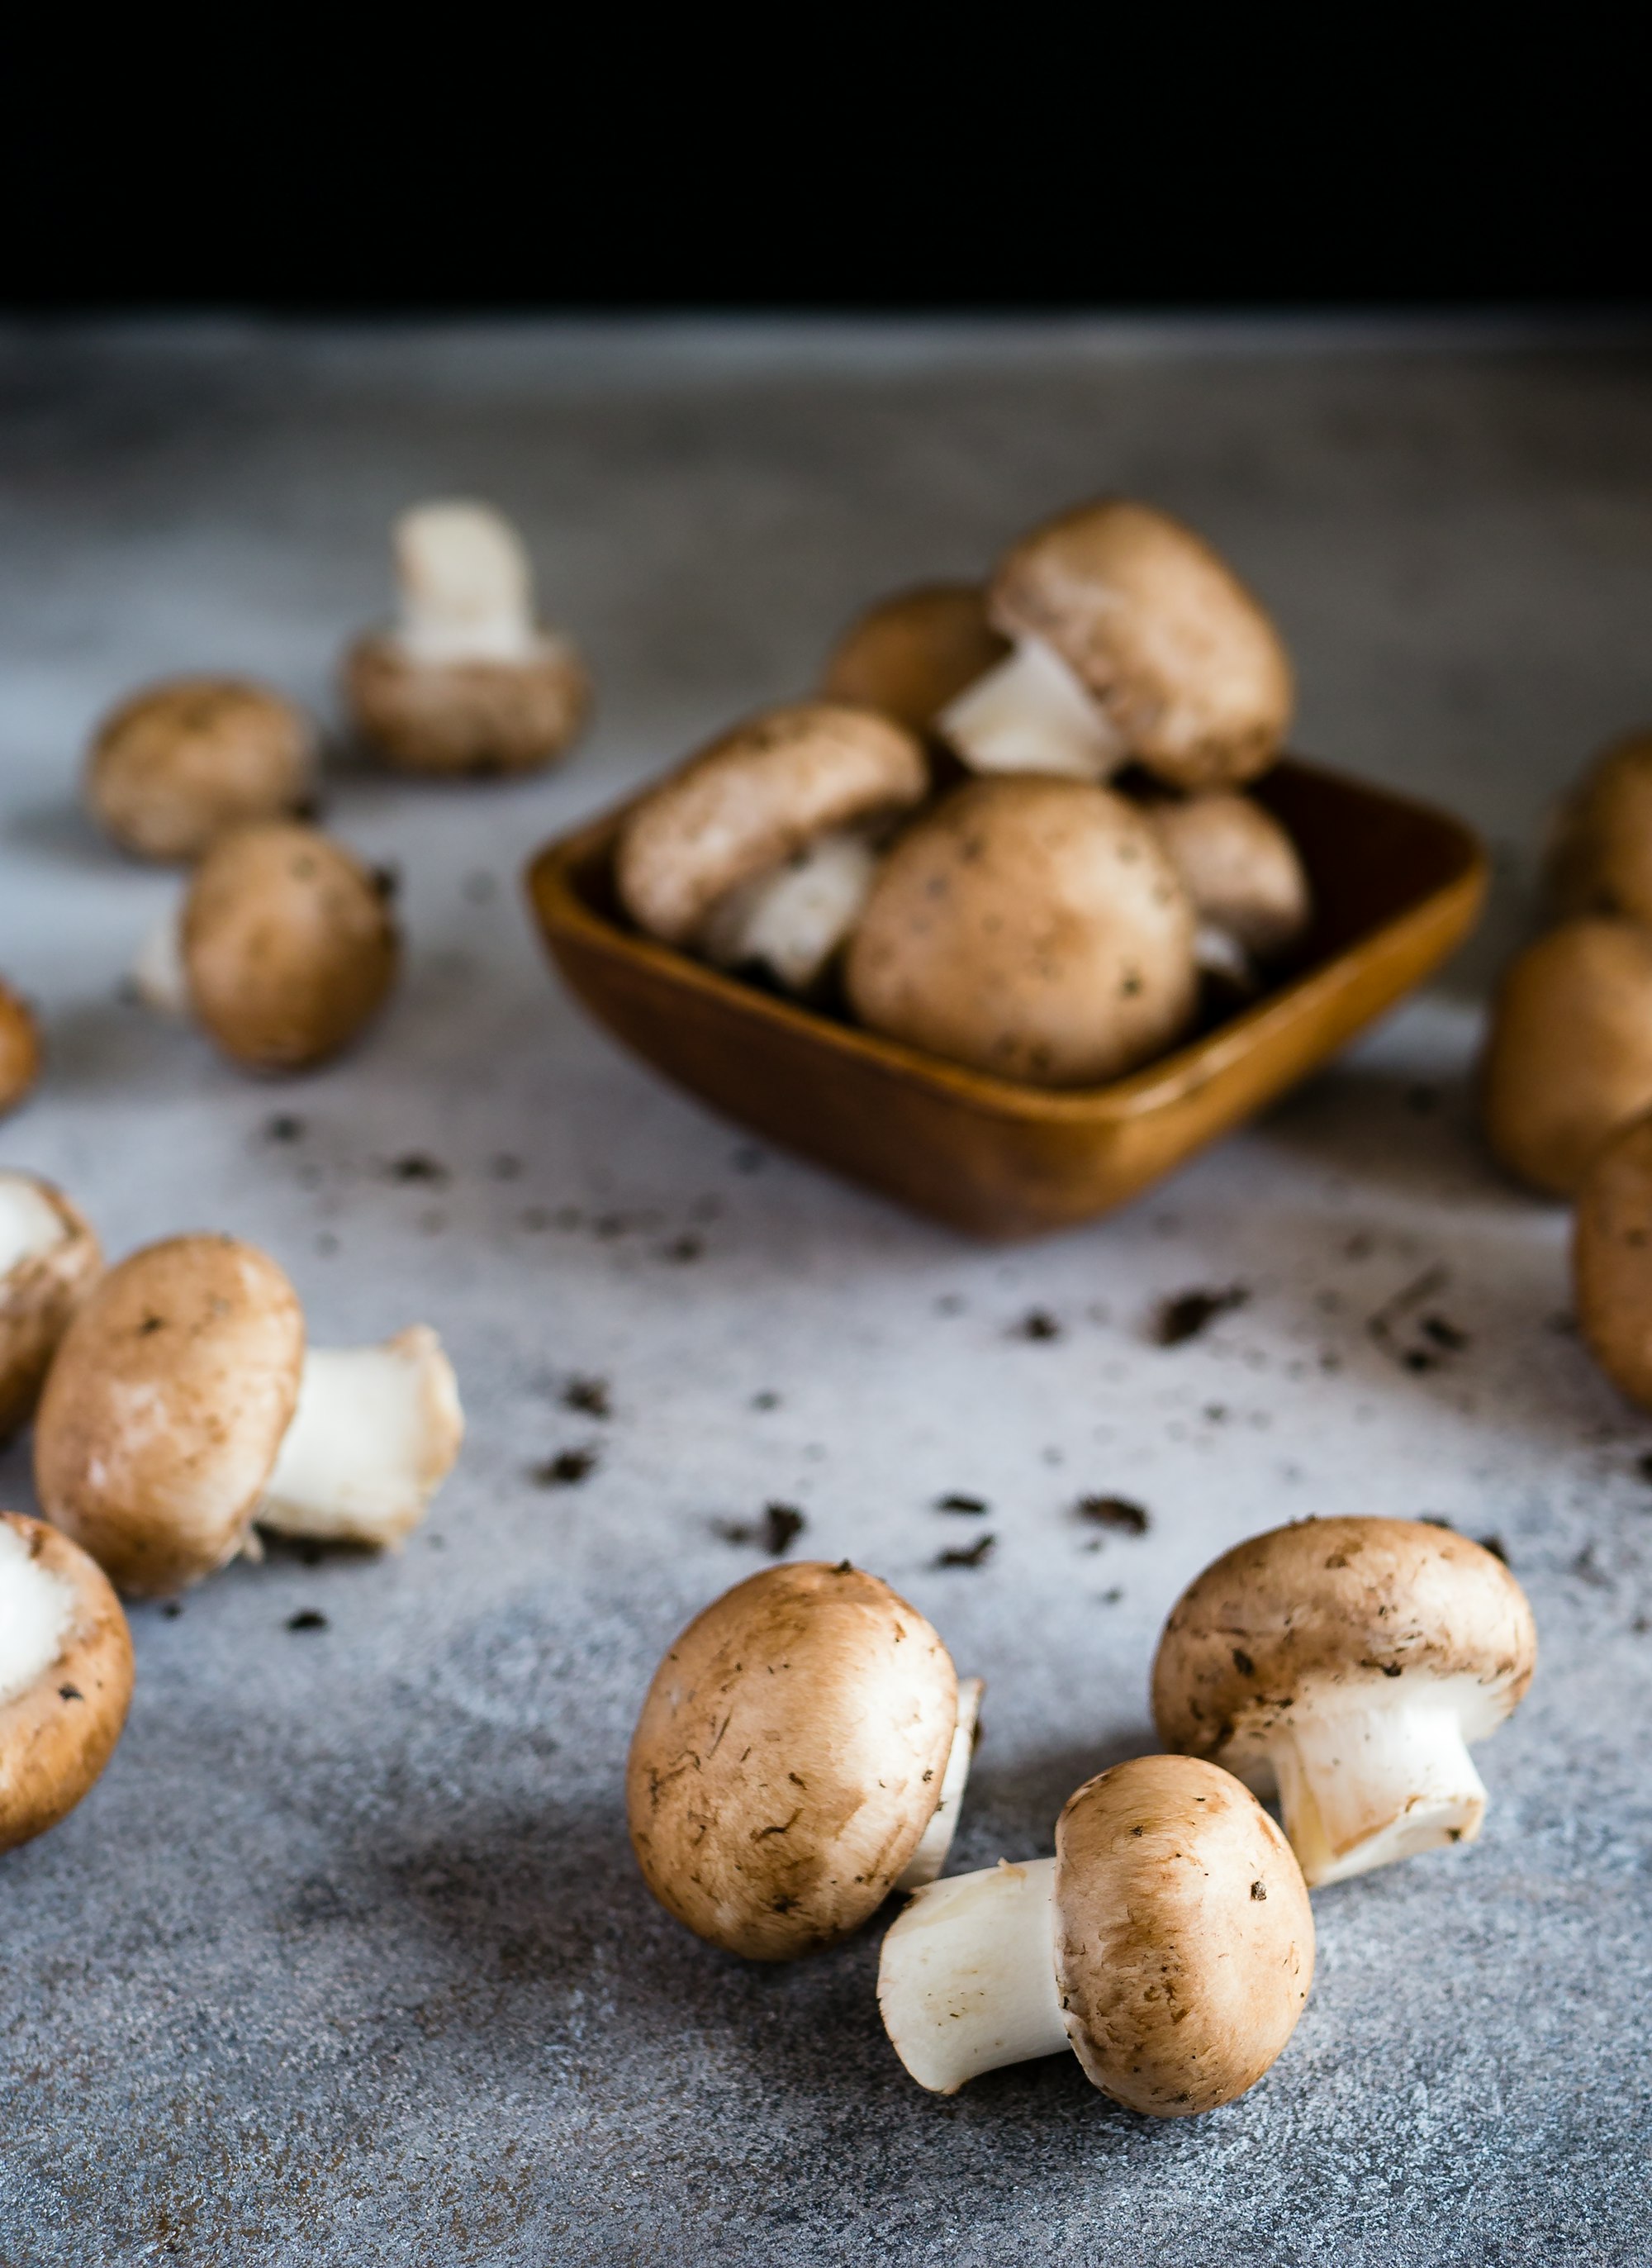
[1117, 687]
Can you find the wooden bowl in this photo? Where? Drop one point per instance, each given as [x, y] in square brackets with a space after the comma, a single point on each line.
[1396, 885]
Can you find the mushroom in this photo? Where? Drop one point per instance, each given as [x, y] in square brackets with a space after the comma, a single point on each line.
[19, 1049]
[1169, 1942]
[65, 1676]
[910, 655]
[1569, 1056]
[1131, 639]
[285, 948]
[179, 763]
[802, 1748]
[1240, 868]
[468, 681]
[1031, 927]
[761, 848]
[1600, 853]
[1611, 1259]
[48, 1257]
[183, 1407]
[1349, 1663]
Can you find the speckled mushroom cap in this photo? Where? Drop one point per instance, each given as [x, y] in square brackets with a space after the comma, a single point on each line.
[1611, 1260]
[1028, 926]
[909, 655]
[62, 1706]
[1169, 642]
[165, 1407]
[1312, 1615]
[475, 719]
[787, 1758]
[751, 800]
[49, 1259]
[1239, 867]
[1600, 852]
[19, 1049]
[1184, 1938]
[179, 763]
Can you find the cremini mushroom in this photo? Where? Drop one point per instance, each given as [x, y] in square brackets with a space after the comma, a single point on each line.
[19, 1049]
[1349, 1663]
[1032, 927]
[48, 1257]
[1169, 1943]
[469, 680]
[1611, 1259]
[183, 1408]
[1568, 1055]
[1132, 640]
[1600, 851]
[763, 846]
[1242, 871]
[181, 763]
[910, 655]
[803, 1749]
[65, 1676]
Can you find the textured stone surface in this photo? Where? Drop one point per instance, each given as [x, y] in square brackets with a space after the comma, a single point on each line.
[346, 1958]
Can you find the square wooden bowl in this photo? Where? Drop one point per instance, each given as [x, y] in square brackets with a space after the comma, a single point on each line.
[1396, 884]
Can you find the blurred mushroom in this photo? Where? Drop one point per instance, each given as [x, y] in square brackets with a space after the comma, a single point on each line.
[65, 1676]
[468, 681]
[48, 1258]
[910, 655]
[179, 765]
[1611, 1259]
[1240, 868]
[1030, 927]
[1169, 1943]
[19, 1049]
[1600, 853]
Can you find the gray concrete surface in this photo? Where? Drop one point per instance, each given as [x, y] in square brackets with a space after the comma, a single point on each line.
[346, 1958]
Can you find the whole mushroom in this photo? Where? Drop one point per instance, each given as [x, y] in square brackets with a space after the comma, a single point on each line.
[65, 1676]
[802, 1750]
[19, 1049]
[761, 850]
[1132, 640]
[48, 1260]
[183, 1408]
[1611, 1260]
[181, 763]
[469, 681]
[1242, 871]
[1349, 1663]
[1169, 1943]
[1600, 853]
[910, 655]
[1031, 927]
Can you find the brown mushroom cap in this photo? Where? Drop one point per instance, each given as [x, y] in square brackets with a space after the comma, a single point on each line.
[19, 1049]
[59, 1731]
[475, 720]
[1184, 1938]
[1028, 926]
[752, 798]
[787, 1758]
[1327, 1606]
[1611, 1260]
[1169, 642]
[1600, 858]
[39, 1293]
[179, 763]
[164, 1409]
[1569, 1056]
[290, 946]
[909, 655]
[1239, 867]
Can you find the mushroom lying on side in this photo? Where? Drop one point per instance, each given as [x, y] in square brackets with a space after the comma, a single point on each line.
[1349, 1663]
[468, 681]
[1169, 1943]
[65, 1676]
[19, 1049]
[1569, 1056]
[1611, 1260]
[803, 1749]
[48, 1258]
[1240, 868]
[910, 655]
[1131, 639]
[179, 765]
[762, 848]
[1031, 927]
[284, 949]
[1600, 854]
[183, 1408]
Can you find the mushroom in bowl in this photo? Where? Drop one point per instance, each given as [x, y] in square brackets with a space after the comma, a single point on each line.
[1348, 1663]
[911, 655]
[65, 1676]
[1248, 888]
[183, 1408]
[801, 1751]
[19, 1049]
[469, 682]
[1169, 1943]
[48, 1260]
[181, 763]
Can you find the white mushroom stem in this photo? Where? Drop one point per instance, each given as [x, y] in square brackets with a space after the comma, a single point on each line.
[375, 1434]
[30, 1224]
[158, 968]
[1031, 714]
[36, 1608]
[1218, 953]
[966, 1978]
[793, 918]
[1368, 1785]
[467, 587]
[927, 1860]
